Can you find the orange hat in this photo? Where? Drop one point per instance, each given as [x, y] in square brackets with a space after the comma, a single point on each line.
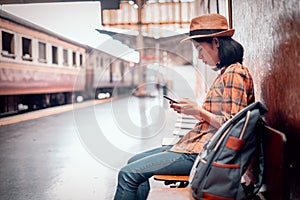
[209, 25]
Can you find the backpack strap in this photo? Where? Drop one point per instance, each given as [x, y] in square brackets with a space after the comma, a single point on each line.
[245, 124]
[261, 158]
[241, 134]
[250, 188]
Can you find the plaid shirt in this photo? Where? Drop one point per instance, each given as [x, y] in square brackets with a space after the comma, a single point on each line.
[231, 91]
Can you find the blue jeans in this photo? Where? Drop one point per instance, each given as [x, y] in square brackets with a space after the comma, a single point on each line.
[133, 183]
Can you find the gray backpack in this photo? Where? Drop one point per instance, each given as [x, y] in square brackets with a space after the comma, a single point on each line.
[219, 167]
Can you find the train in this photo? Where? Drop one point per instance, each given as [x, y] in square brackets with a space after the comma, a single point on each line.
[40, 69]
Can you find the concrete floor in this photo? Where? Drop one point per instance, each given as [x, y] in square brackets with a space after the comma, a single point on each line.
[74, 152]
[77, 154]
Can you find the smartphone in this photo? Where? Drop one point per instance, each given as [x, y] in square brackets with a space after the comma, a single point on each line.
[170, 99]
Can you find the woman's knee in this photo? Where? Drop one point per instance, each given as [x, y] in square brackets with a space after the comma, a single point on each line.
[127, 179]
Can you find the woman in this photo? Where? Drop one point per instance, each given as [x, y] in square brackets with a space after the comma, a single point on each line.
[231, 91]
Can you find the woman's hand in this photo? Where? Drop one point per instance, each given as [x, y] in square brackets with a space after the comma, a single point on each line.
[186, 106]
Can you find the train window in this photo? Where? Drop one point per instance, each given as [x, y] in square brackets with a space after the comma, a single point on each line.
[26, 49]
[97, 62]
[65, 56]
[54, 55]
[101, 62]
[8, 45]
[42, 52]
[74, 58]
[80, 60]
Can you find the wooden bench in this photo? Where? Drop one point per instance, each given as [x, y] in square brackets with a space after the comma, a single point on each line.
[170, 193]
[274, 181]
[182, 126]
[172, 180]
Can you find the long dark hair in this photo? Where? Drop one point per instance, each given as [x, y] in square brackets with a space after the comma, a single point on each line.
[230, 51]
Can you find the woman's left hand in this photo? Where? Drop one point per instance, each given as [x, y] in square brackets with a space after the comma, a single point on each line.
[186, 106]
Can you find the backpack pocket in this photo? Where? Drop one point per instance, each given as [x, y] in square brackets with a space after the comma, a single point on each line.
[222, 177]
[222, 180]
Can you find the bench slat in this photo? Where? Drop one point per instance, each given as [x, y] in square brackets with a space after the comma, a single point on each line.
[170, 193]
[171, 178]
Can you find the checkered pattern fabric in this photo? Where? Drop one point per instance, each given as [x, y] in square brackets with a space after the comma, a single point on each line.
[231, 91]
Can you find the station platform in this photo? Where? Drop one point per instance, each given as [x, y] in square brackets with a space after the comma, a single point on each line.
[75, 151]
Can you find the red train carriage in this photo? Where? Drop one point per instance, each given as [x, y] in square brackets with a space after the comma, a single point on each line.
[110, 75]
[38, 68]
